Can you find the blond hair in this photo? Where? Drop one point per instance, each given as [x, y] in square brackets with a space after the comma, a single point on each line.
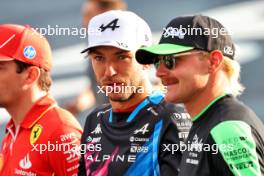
[232, 70]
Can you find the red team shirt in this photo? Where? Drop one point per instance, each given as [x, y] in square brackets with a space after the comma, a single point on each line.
[45, 143]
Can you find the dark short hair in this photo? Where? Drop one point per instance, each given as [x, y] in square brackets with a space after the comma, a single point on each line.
[44, 81]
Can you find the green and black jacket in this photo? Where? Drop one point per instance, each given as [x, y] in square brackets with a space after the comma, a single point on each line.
[227, 138]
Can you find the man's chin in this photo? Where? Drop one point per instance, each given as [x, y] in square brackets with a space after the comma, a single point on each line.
[170, 99]
[120, 97]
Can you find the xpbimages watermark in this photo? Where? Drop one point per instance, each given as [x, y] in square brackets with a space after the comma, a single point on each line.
[65, 147]
[197, 147]
[123, 89]
[181, 32]
[67, 31]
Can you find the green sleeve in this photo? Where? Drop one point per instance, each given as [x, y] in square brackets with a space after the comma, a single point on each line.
[237, 147]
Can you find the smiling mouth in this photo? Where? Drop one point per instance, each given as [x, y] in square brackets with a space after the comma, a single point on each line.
[170, 83]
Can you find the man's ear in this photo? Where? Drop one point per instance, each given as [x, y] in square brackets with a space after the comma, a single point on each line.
[215, 59]
[32, 75]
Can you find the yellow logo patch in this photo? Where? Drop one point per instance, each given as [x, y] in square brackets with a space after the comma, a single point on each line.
[35, 133]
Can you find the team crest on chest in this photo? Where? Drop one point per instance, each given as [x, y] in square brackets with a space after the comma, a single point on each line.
[35, 133]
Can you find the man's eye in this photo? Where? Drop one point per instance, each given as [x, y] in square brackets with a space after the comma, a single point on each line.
[122, 57]
[98, 58]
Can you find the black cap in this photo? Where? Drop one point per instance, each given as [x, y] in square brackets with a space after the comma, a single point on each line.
[187, 33]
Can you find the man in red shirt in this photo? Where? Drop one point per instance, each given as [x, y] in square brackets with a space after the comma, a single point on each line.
[41, 138]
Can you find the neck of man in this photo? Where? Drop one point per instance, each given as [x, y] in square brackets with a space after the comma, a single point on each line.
[23, 104]
[198, 102]
[133, 101]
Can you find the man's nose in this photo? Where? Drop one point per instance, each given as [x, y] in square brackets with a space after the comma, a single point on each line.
[110, 70]
[161, 70]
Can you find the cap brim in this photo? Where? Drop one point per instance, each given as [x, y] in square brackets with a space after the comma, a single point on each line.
[5, 58]
[146, 55]
[113, 44]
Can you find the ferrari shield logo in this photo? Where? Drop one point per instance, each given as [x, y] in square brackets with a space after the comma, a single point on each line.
[35, 133]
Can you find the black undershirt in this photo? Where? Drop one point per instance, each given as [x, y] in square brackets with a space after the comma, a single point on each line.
[120, 117]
